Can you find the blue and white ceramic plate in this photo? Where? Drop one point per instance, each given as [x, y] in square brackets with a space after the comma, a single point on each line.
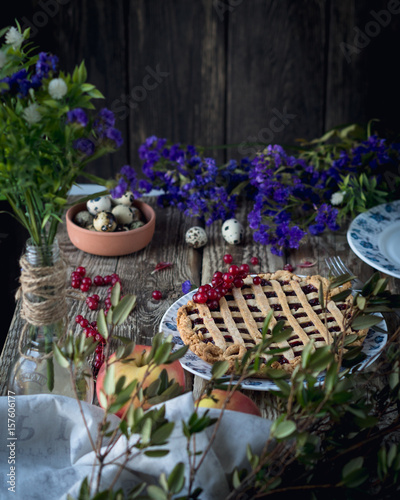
[374, 236]
[372, 347]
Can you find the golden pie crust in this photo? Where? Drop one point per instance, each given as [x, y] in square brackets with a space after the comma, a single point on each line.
[227, 333]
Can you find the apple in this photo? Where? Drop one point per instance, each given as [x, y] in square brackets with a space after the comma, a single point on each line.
[238, 402]
[135, 369]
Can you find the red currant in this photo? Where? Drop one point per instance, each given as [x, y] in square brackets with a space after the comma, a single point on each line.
[212, 294]
[238, 282]
[79, 318]
[228, 258]
[257, 280]
[98, 280]
[216, 282]
[157, 295]
[254, 261]
[95, 297]
[107, 279]
[288, 267]
[244, 268]
[76, 276]
[201, 297]
[93, 305]
[84, 287]
[75, 283]
[217, 275]
[93, 324]
[115, 279]
[81, 270]
[213, 305]
[87, 281]
[228, 278]
[84, 323]
[204, 288]
[233, 270]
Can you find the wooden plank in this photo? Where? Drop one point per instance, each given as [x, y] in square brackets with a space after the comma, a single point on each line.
[183, 44]
[275, 67]
[95, 34]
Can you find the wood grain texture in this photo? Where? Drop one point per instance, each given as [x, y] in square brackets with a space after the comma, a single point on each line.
[275, 65]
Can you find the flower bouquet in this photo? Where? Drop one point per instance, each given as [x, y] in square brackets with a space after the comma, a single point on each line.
[340, 174]
[49, 131]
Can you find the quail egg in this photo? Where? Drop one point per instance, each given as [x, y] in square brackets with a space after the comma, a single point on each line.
[125, 215]
[126, 199]
[105, 222]
[196, 237]
[99, 204]
[83, 219]
[232, 231]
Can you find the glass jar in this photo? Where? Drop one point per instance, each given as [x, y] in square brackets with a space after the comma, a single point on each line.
[43, 306]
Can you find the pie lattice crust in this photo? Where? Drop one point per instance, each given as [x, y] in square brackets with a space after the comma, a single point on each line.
[226, 333]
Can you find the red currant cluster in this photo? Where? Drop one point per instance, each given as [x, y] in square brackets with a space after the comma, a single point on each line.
[221, 283]
[90, 330]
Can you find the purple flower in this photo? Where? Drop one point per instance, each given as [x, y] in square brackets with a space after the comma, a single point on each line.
[114, 135]
[186, 287]
[120, 189]
[85, 146]
[45, 64]
[77, 115]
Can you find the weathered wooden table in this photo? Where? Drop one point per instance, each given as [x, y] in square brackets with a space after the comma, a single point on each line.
[198, 266]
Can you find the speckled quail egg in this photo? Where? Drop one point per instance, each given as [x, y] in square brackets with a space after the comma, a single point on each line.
[196, 237]
[136, 224]
[126, 199]
[105, 222]
[99, 204]
[83, 219]
[232, 231]
[125, 215]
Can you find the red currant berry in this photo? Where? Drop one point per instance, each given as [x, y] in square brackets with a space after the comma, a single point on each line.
[233, 270]
[257, 280]
[228, 259]
[95, 297]
[107, 279]
[227, 286]
[93, 305]
[201, 297]
[238, 282]
[87, 281]
[204, 288]
[157, 295]
[75, 283]
[93, 324]
[217, 275]
[84, 287]
[288, 267]
[213, 305]
[244, 268]
[216, 282]
[81, 270]
[84, 323]
[79, 318]
[98, 280]
[228, 278]
[76, 276]
[212, 294]
[115, 279]
[254, 261]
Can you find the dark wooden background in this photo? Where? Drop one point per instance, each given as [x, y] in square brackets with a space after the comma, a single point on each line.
[215, 72]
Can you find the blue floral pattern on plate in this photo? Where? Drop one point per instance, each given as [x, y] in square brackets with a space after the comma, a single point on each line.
[363, 236]
[372, 348]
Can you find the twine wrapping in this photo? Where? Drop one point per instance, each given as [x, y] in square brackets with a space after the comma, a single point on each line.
[43, 295]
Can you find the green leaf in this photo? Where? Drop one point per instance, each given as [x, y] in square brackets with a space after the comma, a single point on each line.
[307, 353]
[102, 324]
[266, 323]
[219, 369]
[123, 309]
[341, 280]
[176, 480]
[115, 294]
[156, 493]
[321, 297]
[362, 322]
[59, 357]
[109, 380]
[156, 453]
[284, 429]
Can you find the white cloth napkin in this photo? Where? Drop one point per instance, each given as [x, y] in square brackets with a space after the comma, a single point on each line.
[52, 452]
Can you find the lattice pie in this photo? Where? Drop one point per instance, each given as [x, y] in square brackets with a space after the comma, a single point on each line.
[236, 325]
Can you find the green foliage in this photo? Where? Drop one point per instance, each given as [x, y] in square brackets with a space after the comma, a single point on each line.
[39, 160]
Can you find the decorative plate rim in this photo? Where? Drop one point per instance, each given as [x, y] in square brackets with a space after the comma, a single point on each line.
[363, 236]
[197, 366]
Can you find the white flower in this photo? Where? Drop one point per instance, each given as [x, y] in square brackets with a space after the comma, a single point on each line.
[3, 59]
[31, 114]
[338, 197]
[14, 38]
[57, 88]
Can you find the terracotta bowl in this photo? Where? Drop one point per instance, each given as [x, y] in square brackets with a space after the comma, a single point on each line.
[111, 244]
